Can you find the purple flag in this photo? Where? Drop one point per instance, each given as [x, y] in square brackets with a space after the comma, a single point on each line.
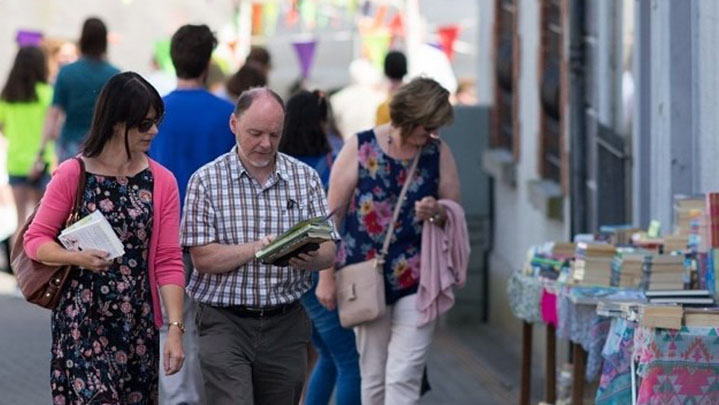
[306, 53]
[28, 38]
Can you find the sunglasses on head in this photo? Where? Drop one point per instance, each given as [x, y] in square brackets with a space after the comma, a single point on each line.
[146, 124]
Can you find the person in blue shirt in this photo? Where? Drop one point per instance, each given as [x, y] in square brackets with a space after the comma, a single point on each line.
[305, 137]
[196, 126]
[77, 86]
[194, 131]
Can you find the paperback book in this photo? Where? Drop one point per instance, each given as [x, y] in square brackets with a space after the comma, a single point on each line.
[305, 236]
[92, 232]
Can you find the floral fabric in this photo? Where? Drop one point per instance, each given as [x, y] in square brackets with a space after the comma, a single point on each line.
[379, 183]
[105, 346]
[524, 294]
[678, 366]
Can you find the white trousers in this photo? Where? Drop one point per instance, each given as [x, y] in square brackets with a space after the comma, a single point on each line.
[393, 353]
[186, 386]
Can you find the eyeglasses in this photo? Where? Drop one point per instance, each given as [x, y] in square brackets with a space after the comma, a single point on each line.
[146, 124]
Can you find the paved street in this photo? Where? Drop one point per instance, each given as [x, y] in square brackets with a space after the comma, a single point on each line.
[459, 373]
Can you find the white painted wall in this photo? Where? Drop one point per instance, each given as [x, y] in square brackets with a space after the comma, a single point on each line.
[518, 225]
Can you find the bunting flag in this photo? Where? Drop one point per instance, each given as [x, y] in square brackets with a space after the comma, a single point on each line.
[308, 12]
[257, 18]
[28, 38]
[306, 54]
[447, 35]
[292, 15]
[380, 16]
[162, 56]
[396, 25]
[375, 46]
[366, 7]
[270, 13]
[351, 7]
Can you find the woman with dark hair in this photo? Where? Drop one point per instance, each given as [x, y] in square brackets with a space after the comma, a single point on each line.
[105, 338]
[24, 101]
[76, 89]
[305, 138]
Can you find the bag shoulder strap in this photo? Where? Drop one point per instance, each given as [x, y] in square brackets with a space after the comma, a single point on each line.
[79, 194]
[398, 206]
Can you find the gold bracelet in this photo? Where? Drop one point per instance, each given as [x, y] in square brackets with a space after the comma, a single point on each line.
[180, 325]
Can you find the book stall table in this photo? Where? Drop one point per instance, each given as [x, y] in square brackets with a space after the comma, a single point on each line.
[568, 312]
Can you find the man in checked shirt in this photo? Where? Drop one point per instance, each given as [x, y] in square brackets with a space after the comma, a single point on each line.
[253, 331]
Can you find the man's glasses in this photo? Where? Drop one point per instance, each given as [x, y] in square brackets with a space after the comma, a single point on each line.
[146, 124]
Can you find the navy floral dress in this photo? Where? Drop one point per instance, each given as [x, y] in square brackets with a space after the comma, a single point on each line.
[105, 347]
[379, 183]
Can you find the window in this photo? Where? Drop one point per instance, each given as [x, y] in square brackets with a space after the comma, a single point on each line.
[552, 84]
[505, 126]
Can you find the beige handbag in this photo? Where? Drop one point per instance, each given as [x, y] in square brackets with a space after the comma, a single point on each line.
[360, 286]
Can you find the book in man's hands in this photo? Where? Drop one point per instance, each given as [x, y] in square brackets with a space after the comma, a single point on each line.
[92, 232]
[304, 237]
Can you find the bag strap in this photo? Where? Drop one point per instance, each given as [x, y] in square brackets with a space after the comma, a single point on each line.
[79, 194]
[398, 206]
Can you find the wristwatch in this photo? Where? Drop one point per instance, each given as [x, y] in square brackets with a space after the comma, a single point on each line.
[180, 325]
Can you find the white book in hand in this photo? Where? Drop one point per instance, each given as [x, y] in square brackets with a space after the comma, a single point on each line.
[92, 232]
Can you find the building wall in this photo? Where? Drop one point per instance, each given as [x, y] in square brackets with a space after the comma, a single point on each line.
[517, 224]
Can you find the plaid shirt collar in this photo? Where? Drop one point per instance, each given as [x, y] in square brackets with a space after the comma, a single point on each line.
[237, 169]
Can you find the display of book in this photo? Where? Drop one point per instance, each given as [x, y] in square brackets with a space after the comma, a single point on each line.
[92, 232]
[305, 236]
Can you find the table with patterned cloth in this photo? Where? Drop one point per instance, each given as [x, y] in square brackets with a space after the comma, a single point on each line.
[524, 294]
[678, 366]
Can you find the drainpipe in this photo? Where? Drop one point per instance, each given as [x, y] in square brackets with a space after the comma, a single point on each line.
[577, 121]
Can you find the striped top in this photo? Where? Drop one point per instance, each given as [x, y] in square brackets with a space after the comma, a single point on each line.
[225, 205]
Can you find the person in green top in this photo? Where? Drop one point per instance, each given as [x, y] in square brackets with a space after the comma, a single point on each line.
[77, 86]
[24, 101]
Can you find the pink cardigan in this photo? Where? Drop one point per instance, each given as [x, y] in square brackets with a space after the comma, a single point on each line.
[445, 257]
[165, 260]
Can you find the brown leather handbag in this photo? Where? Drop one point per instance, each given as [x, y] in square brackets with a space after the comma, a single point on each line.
[39, 283]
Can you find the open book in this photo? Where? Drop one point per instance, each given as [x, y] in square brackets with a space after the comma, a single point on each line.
[305, 236]
[92, 232]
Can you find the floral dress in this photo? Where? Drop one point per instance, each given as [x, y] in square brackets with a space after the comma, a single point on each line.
[105, 347]
[379, 183]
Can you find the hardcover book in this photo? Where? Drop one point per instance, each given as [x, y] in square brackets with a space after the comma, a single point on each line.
[305, 236]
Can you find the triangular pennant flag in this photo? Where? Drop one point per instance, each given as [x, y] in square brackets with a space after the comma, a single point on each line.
[447, 35]
[375, 46]
[306, 54]
[28, 38]
[396, 25]
[257, 18]
[308, 12]
[352, 8]
[270, 13]
[380, 16]
[292, 15]
[366, 7]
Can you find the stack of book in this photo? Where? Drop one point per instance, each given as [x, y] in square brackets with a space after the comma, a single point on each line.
[628, 266]
[564, 250]
[680, 297]
[675, 243]
[712, 217]
[593, 264]
[619, 235]
[701, 317]
[301, 238]
[661, 316]
[666, 272]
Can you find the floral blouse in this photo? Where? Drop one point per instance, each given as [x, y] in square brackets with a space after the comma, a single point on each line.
[379, 183]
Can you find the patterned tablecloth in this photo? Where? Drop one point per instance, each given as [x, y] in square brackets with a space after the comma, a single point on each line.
[615, 385]
[524, 294]
[678, 366]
